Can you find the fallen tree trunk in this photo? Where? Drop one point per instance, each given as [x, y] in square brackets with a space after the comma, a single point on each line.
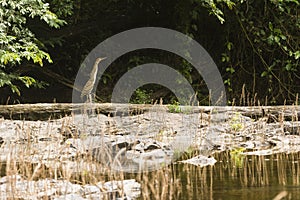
[44, 111]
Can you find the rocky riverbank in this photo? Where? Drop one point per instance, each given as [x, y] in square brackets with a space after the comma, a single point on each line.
[88, 144]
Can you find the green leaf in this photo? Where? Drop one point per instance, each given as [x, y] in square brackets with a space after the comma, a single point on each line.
[288, 67]
[28, 81]
[229, 45]
[264, 73]
[225, 57]
[283, 37]
[277, 39]
[297, 55]
[230, 69]
[270, 26]
[15, 89]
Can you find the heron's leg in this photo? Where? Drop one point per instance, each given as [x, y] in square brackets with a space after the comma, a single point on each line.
[88, 103]
[90, 98]
[91, 103]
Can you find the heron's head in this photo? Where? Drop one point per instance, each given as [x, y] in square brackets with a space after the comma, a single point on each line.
[100, 59]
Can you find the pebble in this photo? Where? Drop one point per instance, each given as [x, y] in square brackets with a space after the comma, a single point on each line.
[16, 187]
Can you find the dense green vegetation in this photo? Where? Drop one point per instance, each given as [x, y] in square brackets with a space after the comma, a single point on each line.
[254, 43]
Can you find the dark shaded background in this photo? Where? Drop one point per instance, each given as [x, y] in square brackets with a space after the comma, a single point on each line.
[93, 21]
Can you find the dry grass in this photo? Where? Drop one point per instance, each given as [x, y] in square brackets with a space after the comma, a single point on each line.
[176, 181]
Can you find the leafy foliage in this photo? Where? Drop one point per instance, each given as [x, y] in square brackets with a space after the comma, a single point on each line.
[18, 42]
[262, 46]
[254, 43]
[140, 96]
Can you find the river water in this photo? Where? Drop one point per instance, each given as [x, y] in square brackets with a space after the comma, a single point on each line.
[251, 177]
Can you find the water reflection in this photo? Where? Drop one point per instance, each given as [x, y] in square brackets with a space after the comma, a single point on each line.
[259, 177]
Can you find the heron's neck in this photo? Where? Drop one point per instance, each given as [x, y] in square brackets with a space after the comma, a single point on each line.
[94, 70]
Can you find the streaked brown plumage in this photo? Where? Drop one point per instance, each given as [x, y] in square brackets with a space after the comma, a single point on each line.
[88, 87]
